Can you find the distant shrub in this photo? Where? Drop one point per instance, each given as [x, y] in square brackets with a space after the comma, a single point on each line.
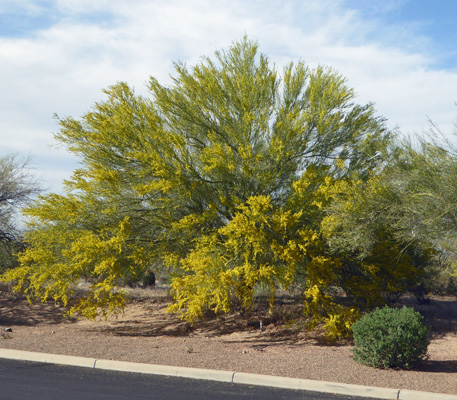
[390, 338]
[440, 277]
[149, 279]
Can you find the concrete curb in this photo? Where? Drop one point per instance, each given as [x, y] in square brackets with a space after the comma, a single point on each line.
[182, 372]
[226, 376]
[350, 390]
[412, 395]
[48, 358]
[316, 386]
[135, 367]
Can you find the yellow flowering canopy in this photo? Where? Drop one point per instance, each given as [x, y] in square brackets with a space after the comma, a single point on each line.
[222, 177]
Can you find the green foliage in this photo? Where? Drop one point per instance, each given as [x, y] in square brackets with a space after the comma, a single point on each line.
[379, 262]
[8, 259]
[390, 338]
[440, 276]
[414, 195]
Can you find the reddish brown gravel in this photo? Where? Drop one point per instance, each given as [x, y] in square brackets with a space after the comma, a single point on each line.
[146, 334]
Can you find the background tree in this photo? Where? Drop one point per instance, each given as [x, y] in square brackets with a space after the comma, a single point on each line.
[17, 189]
[221, 177]
[412, 202]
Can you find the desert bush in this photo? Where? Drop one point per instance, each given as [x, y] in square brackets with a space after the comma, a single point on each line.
[390, 338]
[440, 277]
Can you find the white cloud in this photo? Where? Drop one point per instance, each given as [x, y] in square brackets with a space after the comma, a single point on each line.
[93, 44]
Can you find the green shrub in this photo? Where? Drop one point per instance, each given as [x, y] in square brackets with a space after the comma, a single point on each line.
[390, 338]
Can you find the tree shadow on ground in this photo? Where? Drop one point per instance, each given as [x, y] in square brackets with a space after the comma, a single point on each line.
[16, 311]
[447, 366]
[161, 324]
[440, 314]
[284, 326]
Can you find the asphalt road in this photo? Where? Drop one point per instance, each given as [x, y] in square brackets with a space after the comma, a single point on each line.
[20, 380]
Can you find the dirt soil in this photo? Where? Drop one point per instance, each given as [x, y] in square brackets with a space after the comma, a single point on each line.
[146, 334]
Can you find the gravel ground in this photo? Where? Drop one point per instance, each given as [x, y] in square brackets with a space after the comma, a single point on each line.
[145, 333]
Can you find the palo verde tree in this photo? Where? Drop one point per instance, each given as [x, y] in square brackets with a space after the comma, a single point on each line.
[219, 177]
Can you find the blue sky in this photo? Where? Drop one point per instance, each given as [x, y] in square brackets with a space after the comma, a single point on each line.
[56, 56]
[433, 23]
